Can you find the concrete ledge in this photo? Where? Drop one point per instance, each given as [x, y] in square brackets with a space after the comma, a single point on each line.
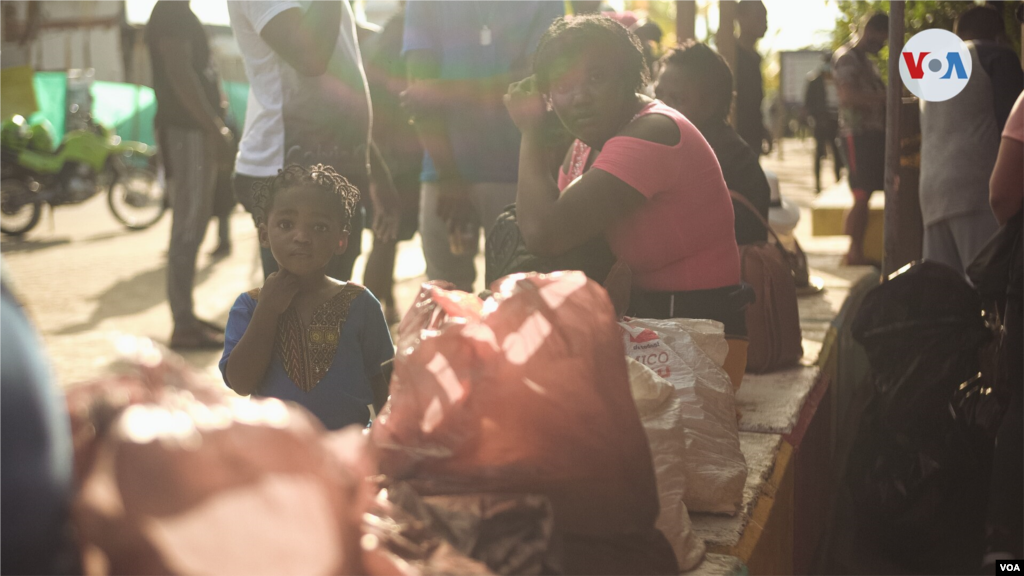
[718, 565]
[828, 213]
[771, 403]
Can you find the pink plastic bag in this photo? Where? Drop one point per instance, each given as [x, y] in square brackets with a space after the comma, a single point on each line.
[180, 476]
[526, 392]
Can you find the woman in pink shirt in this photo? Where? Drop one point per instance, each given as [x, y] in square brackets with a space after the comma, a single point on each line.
[639, 173]
[1004, 527]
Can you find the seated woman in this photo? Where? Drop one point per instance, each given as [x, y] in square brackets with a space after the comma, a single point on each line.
[639, 173]
[695, 80]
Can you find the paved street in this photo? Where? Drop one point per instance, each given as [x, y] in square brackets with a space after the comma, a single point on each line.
[84, 277]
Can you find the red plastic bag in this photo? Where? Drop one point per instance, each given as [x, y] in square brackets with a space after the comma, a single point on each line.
[527, 392]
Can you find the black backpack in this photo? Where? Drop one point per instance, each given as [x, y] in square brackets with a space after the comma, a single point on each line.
[506, 253]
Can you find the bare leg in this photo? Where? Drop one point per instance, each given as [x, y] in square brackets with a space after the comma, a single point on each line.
[819, 153]
[837, 160]
[856, 227]
[223, 236]
[379, 277]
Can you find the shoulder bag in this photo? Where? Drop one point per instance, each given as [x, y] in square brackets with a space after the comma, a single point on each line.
[773, 320]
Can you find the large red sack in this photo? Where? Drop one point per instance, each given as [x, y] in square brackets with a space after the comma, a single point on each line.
[180, 476]
[527, 392]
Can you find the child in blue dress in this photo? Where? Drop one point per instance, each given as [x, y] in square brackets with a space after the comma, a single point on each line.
[304, 336]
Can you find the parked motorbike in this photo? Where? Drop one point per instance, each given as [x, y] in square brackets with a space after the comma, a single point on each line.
[33, 173]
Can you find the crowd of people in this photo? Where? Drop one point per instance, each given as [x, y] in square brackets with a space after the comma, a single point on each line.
[578, 122]
[453, 111]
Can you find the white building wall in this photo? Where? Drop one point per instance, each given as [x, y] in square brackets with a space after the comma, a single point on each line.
[82, 47]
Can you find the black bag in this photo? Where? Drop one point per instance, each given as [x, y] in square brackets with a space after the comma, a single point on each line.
[918, 484]
[994, 268]
[506, 253]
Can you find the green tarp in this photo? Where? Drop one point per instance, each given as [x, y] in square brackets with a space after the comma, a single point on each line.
[127, 108]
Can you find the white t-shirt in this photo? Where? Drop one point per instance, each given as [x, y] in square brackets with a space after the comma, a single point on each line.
[286, 109]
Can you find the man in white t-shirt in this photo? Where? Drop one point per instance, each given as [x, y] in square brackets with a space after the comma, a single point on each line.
[308, 103]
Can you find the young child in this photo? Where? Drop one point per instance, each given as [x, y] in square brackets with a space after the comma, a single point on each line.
[304, 336]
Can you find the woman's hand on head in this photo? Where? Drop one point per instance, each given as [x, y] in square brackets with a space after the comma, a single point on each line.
[278, 291]
[526, 106]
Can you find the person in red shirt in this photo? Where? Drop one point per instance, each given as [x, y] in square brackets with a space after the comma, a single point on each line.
[639, 173]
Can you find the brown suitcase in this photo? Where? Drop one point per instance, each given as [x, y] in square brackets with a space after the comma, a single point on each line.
[773, 320]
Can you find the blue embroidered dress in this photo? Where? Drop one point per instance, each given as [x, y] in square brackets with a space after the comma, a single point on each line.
[325, 367]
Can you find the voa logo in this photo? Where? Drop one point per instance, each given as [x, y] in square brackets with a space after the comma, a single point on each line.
[936, 65]
[1007, 566]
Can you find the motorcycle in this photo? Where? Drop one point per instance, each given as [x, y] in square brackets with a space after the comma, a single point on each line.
[87, 161]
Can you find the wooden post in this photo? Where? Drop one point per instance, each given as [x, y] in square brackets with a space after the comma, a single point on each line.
[686, 20]
[725, 38]
[894, 102]
[908, 218]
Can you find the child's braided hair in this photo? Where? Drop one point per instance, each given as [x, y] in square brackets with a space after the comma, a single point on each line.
[318, 176]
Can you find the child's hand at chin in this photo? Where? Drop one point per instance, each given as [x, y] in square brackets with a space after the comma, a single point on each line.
[278, 291]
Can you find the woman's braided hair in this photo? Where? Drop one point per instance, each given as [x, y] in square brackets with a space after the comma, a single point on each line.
[319, 176]
[569, 38]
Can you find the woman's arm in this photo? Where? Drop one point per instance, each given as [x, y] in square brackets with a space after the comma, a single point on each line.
[1006, 187]
[553, 224]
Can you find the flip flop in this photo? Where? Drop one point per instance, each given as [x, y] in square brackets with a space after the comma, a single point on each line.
[198, 340]
[215, 327]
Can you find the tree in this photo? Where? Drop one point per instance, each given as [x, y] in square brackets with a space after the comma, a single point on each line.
[920, 15]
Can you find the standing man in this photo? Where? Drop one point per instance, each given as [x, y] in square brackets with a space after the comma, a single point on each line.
[461, 57]
[753, 20]
[820, 103]
[308, 103]
[862, 125]
[193, 138]
[960, 141]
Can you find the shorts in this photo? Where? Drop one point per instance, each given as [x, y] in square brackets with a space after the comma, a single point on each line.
[865, 159]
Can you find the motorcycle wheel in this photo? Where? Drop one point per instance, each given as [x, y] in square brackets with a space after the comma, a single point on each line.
[136, 198]
[19, 211]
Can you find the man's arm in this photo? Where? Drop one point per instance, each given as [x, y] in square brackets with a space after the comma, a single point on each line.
[852, 97]
[176, 55]
[849, 92]
[305, 40]
[384, 196]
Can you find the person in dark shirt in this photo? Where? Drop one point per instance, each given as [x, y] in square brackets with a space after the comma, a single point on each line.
[753, 20]
[696, 81]
[194, 140]
[821, 105]
[399, 145]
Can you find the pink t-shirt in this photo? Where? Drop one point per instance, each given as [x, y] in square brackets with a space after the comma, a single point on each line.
[682, 238]
[1015, 123]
